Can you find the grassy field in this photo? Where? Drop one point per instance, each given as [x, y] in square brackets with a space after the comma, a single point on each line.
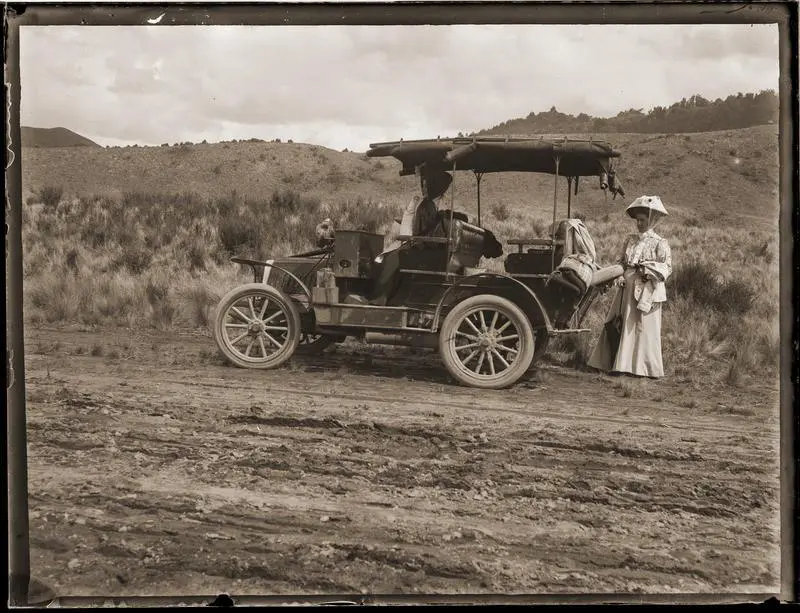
[141, 237]
[732, 173]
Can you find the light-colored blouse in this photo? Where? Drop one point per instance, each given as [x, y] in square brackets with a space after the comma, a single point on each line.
[650, 254]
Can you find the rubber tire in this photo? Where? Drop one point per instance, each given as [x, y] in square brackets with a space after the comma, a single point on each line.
[452, 322]
[285, 304]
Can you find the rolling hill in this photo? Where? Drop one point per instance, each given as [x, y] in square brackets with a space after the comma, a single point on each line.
[53, 137]
[732, 172]
[693, 114]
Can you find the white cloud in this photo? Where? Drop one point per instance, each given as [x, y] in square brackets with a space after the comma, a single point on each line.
[340, 85]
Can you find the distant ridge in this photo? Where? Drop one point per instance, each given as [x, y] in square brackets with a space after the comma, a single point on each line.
[53, 137]
[690, 115]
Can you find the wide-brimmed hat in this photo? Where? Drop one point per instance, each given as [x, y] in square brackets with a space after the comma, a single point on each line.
[650, 204]
[438, 181]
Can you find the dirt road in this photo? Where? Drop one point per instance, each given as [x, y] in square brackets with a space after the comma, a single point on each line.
[154, 469]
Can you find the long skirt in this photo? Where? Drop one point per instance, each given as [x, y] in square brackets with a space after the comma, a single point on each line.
[639, 349]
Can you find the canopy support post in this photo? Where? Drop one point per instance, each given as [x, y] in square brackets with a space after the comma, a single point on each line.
[569, 197]
[450, 228]
[478, 177]
[555, 207]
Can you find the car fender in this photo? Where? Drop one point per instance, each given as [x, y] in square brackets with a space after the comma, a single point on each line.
[269, 266]
[533, 308]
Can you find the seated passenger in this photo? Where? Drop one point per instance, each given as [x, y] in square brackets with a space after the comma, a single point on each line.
[421, 218]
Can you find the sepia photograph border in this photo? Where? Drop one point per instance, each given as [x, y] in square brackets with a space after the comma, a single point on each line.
[18, 15]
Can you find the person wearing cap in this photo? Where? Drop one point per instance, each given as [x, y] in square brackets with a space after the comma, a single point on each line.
[630, 341]
[325, 233]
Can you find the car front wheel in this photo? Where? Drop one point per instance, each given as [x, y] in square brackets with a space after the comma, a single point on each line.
[257, 326]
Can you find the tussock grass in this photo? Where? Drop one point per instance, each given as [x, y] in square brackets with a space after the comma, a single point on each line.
[500, 211]
[572, 349]
[627, 387]
[50, 195]
[162, 261]
[701, 282]
[198, 301]
[538, 376]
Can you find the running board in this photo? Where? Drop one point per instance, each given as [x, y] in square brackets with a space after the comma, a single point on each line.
[428, 340]
[568, 331]
[363, 315]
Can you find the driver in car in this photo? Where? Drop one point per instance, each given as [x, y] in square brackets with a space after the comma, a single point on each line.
[421, 218]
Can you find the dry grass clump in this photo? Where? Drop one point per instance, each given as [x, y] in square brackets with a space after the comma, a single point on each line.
[571, 350]
[500, 211]
[197, 301]
[700, 281]
[156, 298]
[50, 195]
[162, 260]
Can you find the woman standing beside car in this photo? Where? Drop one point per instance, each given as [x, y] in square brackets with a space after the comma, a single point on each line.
[630, 341]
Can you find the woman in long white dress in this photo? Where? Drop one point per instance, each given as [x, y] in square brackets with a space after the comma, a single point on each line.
[636, 307]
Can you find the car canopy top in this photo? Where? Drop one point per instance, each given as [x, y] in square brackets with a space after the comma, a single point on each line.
[568, 158]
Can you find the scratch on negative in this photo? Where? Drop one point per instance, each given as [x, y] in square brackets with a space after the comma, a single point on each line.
[9, 369]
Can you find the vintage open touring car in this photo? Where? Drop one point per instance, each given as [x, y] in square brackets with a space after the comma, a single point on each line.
[426, 289]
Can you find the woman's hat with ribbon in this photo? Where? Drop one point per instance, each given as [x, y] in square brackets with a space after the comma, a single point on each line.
[650, 204]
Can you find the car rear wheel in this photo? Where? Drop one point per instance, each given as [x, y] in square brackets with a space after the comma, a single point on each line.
[487, 342]
[256, 326]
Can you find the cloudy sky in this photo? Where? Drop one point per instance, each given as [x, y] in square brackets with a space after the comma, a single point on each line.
[351, 85]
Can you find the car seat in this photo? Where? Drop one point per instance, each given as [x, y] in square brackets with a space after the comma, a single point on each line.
[467, 246]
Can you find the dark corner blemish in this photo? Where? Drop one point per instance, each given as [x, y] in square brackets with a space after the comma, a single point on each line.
[223, 600]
